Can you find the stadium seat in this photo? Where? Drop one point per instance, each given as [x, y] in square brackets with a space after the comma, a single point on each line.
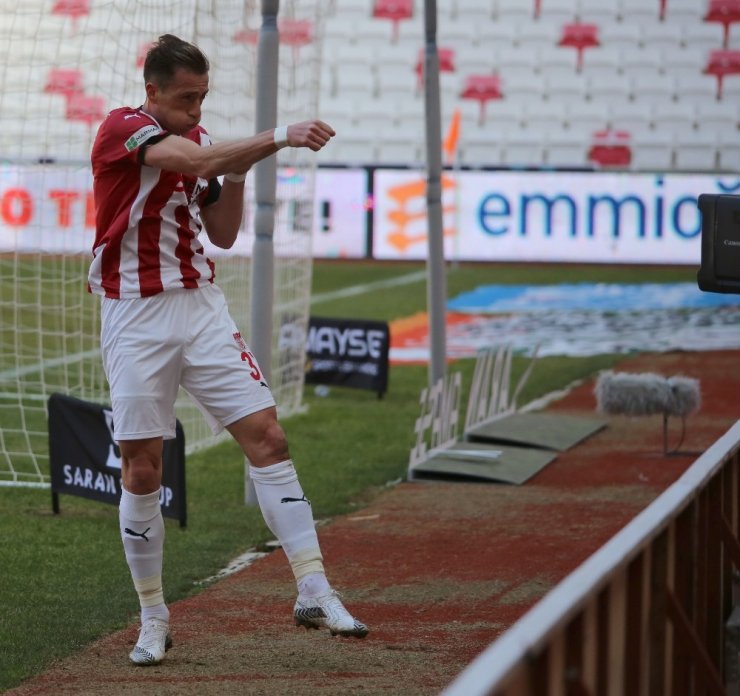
[537, 118]
[481, 152]
[555, 60]
[696, 87]
[445, 58]
[74, 9]
[702, 35]
[610, 148]
[567, 148]
[721, 64]
[567, 86]
[719, 117]
[559, 12]
[679, 118]
[514, 9]
[652, 150]
[580, 37]
[530, 35]
[639, 11]
[729, 156]
[624, 36]
[586, 117]
[524, 86]
[726, 13]
[501, 114]
[682, 11]
[522, 148]
[64, 81]
[642, 61]
[652, 87]
[662, 36]
[604, 62]
[601, 13]
[482, 89]
[85, 108]
[471, 59]
[616, 90]
[360, 82]
[394, 10]
[394, 83]
[698, 153]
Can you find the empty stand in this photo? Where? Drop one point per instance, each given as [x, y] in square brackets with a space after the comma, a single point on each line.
[533, 81]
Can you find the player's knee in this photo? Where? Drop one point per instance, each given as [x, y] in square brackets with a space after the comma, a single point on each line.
[141, 474]
[274, 444]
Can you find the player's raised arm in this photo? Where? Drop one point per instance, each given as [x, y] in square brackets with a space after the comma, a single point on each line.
[179, 154]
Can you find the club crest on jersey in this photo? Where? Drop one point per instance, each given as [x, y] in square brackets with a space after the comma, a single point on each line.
[140, 136]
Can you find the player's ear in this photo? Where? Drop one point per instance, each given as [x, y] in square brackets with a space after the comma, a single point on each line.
[151, 91]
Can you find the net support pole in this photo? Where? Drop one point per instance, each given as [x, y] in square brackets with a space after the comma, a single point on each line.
[265, 181]
[265, 186]
[436, 281]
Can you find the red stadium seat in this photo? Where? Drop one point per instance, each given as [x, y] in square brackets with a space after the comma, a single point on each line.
[726, 12]
[394, 10]
[293, 32]
[65, 81]
[580, 37]
[446, 62]
[611, 148]
[482, 88]
[720, 64]
[71, 8]
[89, 109]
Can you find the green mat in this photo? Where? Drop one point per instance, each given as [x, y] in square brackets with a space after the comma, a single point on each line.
[551, 431]
[476, 461]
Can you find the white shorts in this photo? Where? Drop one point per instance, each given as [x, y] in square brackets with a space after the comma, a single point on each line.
[153, 345]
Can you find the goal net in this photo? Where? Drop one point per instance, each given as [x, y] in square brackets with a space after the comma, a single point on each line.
[63, 66]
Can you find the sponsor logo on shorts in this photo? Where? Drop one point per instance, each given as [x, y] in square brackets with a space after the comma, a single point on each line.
[140, 136]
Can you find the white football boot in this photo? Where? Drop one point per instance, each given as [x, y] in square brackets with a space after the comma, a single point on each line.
[327, 611]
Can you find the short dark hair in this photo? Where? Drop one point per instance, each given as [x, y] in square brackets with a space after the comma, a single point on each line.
[167, 55]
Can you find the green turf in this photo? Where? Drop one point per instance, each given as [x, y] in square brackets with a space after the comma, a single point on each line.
[64, 580]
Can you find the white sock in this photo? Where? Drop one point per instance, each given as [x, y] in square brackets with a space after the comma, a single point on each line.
[142, 532]
[288, 514]
[313, 585]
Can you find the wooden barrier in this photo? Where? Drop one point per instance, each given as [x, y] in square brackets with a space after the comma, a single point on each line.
[643, 616]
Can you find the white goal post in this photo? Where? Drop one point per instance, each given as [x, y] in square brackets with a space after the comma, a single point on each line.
[63, 65]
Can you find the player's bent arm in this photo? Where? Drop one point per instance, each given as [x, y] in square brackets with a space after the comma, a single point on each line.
[178, 154]
[223, 218]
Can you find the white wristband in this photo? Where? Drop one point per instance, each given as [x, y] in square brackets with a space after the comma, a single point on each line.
[280, 136]
[236, 178]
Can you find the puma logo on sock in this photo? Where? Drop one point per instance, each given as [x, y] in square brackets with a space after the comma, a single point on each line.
[302, 499]
[132, 533]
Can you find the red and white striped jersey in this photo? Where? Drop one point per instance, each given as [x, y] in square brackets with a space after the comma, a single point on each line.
[147, 220]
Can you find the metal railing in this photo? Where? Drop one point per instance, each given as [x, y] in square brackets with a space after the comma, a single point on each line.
[643, 616]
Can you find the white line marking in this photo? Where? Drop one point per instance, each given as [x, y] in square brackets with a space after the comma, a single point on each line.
[16, 372]
[353, 290]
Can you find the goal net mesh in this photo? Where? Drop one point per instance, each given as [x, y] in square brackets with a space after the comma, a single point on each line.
[63, 66]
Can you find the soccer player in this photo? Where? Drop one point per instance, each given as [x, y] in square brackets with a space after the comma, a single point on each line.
[165, 324]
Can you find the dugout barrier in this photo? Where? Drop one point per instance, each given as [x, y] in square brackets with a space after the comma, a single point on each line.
[644, 615]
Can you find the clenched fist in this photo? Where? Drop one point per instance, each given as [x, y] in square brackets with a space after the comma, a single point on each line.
[312, 134]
